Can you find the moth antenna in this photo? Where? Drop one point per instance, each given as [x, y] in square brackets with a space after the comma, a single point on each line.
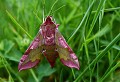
[50, 12]
[43, 10]
[54, 20]
[58, 9]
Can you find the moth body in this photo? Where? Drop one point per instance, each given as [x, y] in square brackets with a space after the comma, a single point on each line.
[50, 43]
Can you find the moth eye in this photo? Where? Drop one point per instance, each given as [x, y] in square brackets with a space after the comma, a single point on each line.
[21, 60]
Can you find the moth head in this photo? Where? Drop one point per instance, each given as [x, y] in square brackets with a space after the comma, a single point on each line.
[50, 22]
[48, 19]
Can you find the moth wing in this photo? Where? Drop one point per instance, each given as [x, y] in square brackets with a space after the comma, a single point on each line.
[67, 56]
[33, 54]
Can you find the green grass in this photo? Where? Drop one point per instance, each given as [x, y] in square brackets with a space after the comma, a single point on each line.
[91, 28]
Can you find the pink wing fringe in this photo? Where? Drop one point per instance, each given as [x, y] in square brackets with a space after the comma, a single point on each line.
[28, 65]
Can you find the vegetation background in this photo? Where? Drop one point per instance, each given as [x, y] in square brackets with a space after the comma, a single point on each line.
[91, 28]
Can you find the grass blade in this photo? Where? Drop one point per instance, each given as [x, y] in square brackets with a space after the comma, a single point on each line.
[83, 20]
[96, 16]
[11, 17]
[117, 38]
[32, 72]
[112, 69]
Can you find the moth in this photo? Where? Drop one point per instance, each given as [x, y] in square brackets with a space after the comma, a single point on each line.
[48, 43]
